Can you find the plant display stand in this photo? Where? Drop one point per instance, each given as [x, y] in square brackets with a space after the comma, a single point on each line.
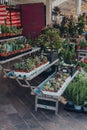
[27, 77]
[26, 69]
[12, 47]
[49, 96]
[49, 103]
[34, 49]
[24, 78]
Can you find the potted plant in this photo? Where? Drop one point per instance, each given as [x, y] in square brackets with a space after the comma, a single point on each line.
[50, 43]
[83, 45]
[85, 106]
[77, 90]
[68, 53]
[86, 36]
[4, 29]
[80, 24]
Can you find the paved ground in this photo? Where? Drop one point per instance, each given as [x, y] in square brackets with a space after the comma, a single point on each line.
[17, 112]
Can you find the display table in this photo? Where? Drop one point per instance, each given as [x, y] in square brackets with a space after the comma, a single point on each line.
[49, 100]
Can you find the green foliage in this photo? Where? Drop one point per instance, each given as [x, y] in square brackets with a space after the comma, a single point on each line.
[83, 65]
[68, 53]
[77, 90]
[69, 27]
[12, 45]
[81, 24]
[30, 63]
[4, 29]
[30, 41]
[50, 39]
[82, 43]
[11, 29]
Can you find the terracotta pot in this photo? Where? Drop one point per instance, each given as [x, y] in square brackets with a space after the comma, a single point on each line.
[13, 34]
[4, 54]
[7, 34]
[78, 47]
[85, 47]
[85, 61]
[79, 68]
[15, 51]
[41, 63]
[1, 34]
[17, 70]
[38, 66]
[45, 62]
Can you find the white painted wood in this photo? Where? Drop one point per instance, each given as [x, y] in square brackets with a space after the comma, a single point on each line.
[52, 96]
[48, 12]
[62, 89]
[34, 49]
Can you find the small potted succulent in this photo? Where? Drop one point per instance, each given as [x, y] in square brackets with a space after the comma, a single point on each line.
[43, 59]
[37, 61]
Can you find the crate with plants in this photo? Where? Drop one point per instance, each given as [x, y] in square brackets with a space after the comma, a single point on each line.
[56, 82]
[10, 31]
[55, 85]
[13, 47]
[29, 66]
